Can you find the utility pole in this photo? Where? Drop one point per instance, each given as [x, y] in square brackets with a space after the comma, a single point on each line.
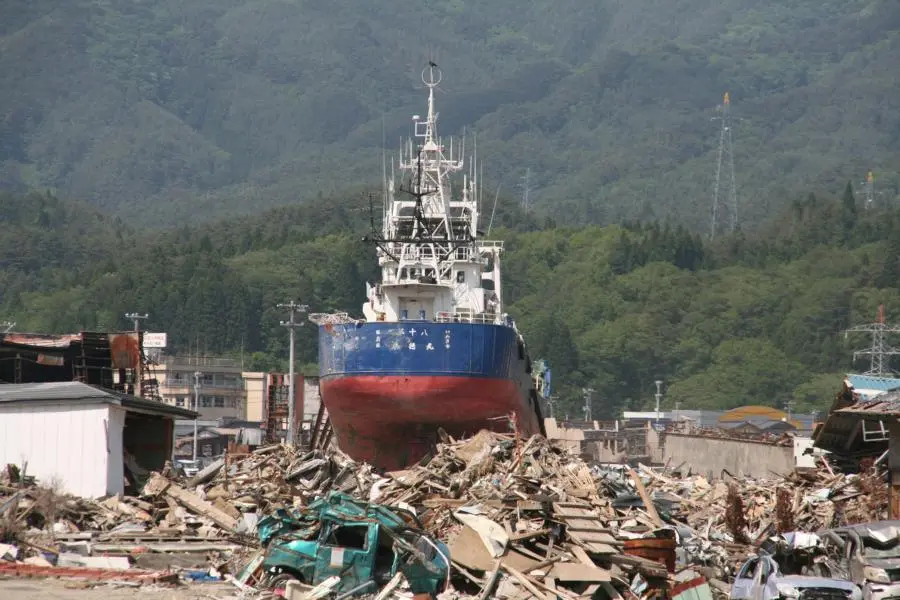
[726, 156]
[879, 352]
[292, 324]
[551, 405]
[197, 375]
[658, 396]
[137, 320]
[588, 413]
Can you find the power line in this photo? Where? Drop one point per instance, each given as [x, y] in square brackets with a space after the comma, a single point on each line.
[7, 326]
[725, 204]
[292, 324]
[879, 352]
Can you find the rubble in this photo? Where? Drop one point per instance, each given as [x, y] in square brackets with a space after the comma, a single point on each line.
[520, 517]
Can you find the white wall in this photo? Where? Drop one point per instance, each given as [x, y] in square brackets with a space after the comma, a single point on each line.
[311, 398]
[70, 442]
[115, 469]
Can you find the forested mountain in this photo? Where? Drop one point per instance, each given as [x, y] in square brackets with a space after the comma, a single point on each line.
[754, 318]
[165, 112]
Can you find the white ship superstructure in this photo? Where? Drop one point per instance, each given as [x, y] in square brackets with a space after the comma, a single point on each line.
[433, 266]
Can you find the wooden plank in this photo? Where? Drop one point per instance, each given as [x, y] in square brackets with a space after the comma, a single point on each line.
[584, 525]
[645, 497]
[159, 484]
[579, 572]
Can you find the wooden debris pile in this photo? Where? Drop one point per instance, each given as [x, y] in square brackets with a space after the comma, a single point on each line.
[806, 500]
[521, 517]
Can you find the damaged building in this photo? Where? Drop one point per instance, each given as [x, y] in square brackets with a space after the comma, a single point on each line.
[85, 440]
[81, 410]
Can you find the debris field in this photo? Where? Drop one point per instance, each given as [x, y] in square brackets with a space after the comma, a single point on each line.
[521, 518]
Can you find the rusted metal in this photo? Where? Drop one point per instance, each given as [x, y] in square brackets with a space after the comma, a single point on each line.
[735, 518]
[784, 513]
[661, 550]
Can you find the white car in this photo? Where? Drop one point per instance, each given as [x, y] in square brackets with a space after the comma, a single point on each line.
[190, 467]
[760, 578]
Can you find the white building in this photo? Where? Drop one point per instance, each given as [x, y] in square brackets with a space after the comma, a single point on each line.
[84, 440]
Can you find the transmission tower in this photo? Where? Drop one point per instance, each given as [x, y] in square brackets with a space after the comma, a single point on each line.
[869, 188]
[588, 413]
[526, 190]
[879, 352]
[725, 207]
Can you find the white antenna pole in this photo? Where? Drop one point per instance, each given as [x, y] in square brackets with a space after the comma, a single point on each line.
[494, 210]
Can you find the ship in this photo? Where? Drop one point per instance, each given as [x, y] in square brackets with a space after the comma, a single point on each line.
[435, 354]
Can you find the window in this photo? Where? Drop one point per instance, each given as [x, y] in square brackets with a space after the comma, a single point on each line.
[179, 401]
[748, 569]
[460, 277]
[348, 536]
[206, 401]
[220, 401]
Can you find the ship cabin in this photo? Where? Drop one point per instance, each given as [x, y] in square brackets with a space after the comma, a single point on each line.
[453, 283]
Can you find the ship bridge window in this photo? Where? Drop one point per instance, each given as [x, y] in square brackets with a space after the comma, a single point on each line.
[403, 273]
[460, 277]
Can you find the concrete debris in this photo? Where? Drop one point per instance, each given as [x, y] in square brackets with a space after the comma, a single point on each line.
[520, 518]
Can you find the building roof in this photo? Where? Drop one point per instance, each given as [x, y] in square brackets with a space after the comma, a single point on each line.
[869, 386]
[882, 406]
[73, 391]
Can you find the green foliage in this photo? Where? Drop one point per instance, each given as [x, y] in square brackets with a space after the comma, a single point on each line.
[166, 112]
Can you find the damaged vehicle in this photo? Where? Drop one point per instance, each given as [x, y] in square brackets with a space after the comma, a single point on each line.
[364, 545]
[869, 555]
[784, 570]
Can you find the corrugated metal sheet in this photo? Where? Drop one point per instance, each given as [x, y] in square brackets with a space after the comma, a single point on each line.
[74, 391]
[870, 382]
[42, 341]
[69, 445]
[57, 390]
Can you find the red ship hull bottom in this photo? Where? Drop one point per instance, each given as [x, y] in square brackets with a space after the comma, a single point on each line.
[391, 422]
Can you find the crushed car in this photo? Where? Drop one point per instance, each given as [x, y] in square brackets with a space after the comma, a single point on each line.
[785, 570]
[363, 544]
[868, 554]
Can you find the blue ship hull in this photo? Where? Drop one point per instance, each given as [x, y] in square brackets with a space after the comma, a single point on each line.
[389, 387]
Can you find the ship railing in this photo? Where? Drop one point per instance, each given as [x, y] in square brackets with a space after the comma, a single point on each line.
[465, 317]
[490, 244]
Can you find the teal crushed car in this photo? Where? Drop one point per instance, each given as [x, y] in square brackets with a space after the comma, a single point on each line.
[363, 544]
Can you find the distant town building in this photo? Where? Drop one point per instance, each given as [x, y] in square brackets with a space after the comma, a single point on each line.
[222, 392]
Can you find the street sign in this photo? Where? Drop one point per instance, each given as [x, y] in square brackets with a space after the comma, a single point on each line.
[154, 340]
